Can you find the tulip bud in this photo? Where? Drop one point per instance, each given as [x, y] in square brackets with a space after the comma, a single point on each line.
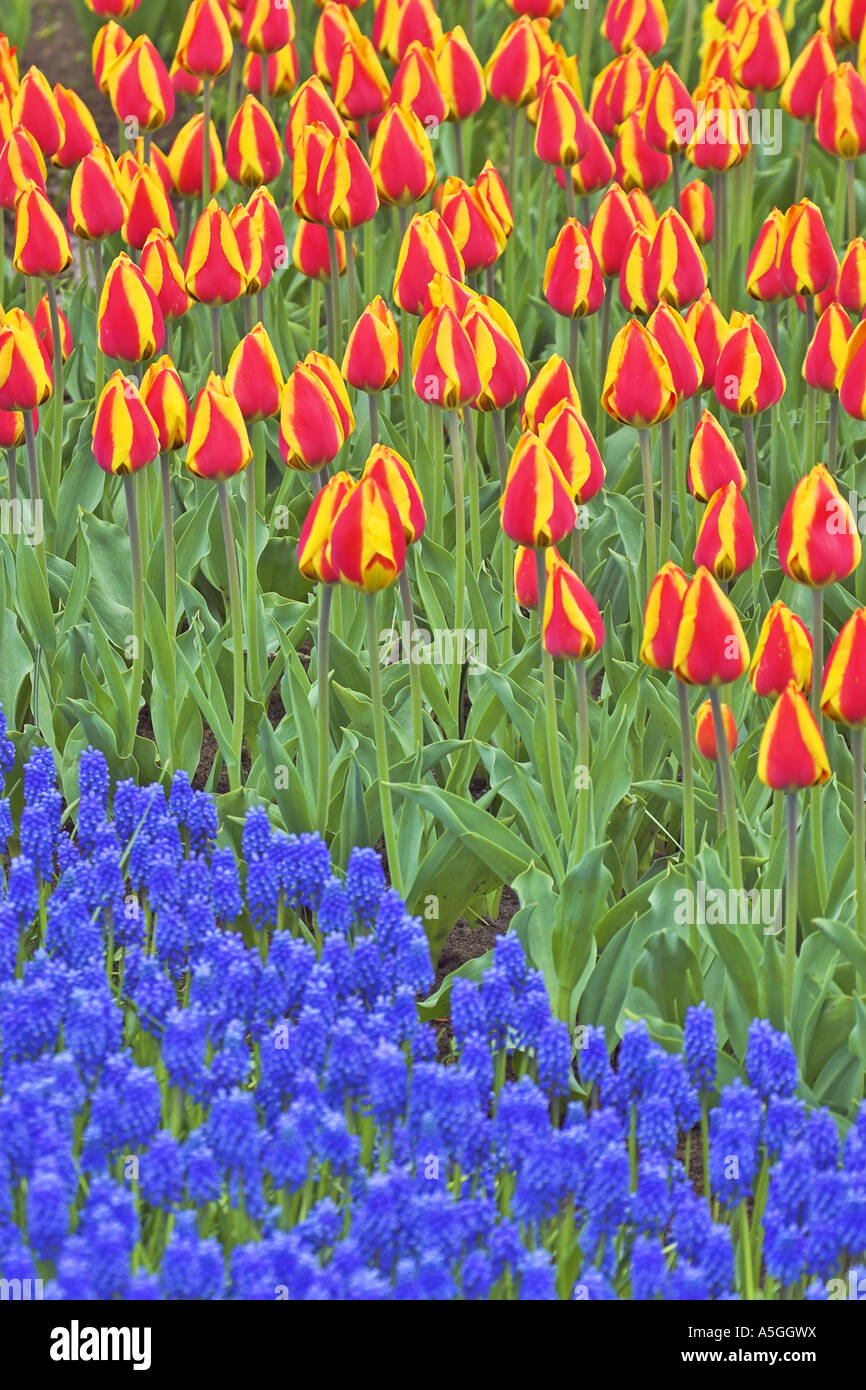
[610, 229]
[444, 370]
[843, 693]
[8, 66]
[495, 195]
[638, 386]
[461, 76]
[311, 252]
[266, 219]
[130, 325]
[253, 376]
[34, 107]
[763, 61]
[361, 89]
[676, 342]
[267, 26]
[411, 21]
[566, 434]
[111, 40]
[526, 575]
[316, 530]
[792, 754]
[219, 446]
[749, 377]
[783, 653]
[42, 325]
[282, 71]
[560, 132]
[140, 87]
[661, 617]
[367, 549]
[573, 283]
[818, 539]
[720, 139]
[21, 163]
[311, 106]
[669, 112]
[513, 70]
[705, 731]
[711, 648]
[315, 417]
[416, 86]
[163, 394]
[337, 26]
[256, 264]
[726, 537]
[25, 375]
[183, 82]
[619, 89]
[124, 434]
[374, 354]
[851, 287]
[161, 268]
[713, 464]
[843, 21]
[213, 267]
[799, 94]
[637, 163]
[331, 180]
[807, 261]
[12, 428]
[638, 24]
[571, 625]
[478, 235]
[827, 353]
[401, 158]
[80, 134]
[552, 385]
[186, 159]
[97, 206]
[840, 116]
[204, 48]
[763, 280]
[149, 210]
[596, 167]
[428, 246]
[696, 206]
[395, 478]
[253, 152]
[443, 289]
[633, 291]
[675, 269]
[536, 504]
[710, 330]
[41, 241]
[498, 354]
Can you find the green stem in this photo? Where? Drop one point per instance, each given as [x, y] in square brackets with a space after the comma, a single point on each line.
[351, 280]
[507, 543]
[803, 161]
[57, 441]
[554, 761]
[460, 556]
[215, 339]
[137, 596]
[170, 563]
[791, 903]
[859, 792]
[815, 795]
[383, 772]
[235, 770]
[323, 686]
[315, 312]
[414, 668]
[746, 1251]
[852, 200]
[586, 43]
[474, 500]
[35, 490]
[688, 765]
[833, 433]
[752, 474]
[205, 150]
[255, 671]
[574, 348]
[667, 489]
[728, 794]
[437, 507]
[601, 414]
[373, 405]
[583, 760]
[684, 515]
[336, 298]
[649, 506]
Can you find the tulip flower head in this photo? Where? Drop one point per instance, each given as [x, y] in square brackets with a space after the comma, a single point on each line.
[253, 150]
[705, 731]
[394, 476]
[713, 462]
[807, 261]
[161, 268]
[552, 385]
[367, 549]
[130, 325]
[316, 530]
[843, 693]
[799, 94]
[792, 755]
[726, 538]
[566, 434]
[749, 377]
[638, 386]
[698, 210]
[711, 647]
[124, 434]
[25, 373]
[42, 245]
[499, 358]
[571, 625]
[373, 358]
[783, 653]
[401, 158]
[573, 282]
[536, 504]
[662, 613]
[162, 392]
[315, 416]
[444, 370]
[253, 376]
[818, 539]
[213, 267]
[219, 446]
[840, 114]
[827, 353]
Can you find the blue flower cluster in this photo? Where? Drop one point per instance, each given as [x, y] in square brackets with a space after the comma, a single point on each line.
[214, 1083]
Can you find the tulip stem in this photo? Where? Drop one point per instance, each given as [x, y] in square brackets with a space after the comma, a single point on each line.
[255, 672]
[216, 340]
[336, 298]
[330, 319]
[474, 500]
[315, 312]
[554, 761]
[649, 505]
[35, 490]
[383, 772]
[577, 549]
[373, 406]
[57, 441]
[601, 415]
[574, 348]
[682, 478]
[507, 543]
[811, 391]
[852, 199]
[351, 280]
[667, 489]
[791, 902]
[414, 667]
[137, 597]
[688, 765]
[205, 147]
[833, 433]
[728, 794]
[323, 688]
[168, 548]
[859, 836]
[235, 771]
[460, 557]
[583, 760]
[804, 160]
[752, 473]
[436, 520]
[773, 326]
[815, 796]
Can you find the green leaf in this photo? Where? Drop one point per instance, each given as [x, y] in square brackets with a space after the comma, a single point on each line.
[573, 938]
[497, 846]
[33, 598]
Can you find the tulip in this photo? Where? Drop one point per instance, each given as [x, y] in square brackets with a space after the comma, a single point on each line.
[840, 113]
[110, 41]
[818, 540]
[593, 171]
[140, 87]
[566, 435]
[361, 89]
[697, 208]
[253, 152]
[80, 134]
[571, 626]
[311, 105]
[720, 139]
[394, 477]
[675, 269]
[552, 385]
[637, 24]
[492, 189]
[253, 376]
[266, 217]
[401, 158]
[315, 418]
[192, 152]
[204, 48]
[373, 359]
[25, 375]
[279, 71]
[161, 268]
[130, 325]
[713, 464]
[633, 291]
[162, 393]
[573, 283]
[41, 241]
[851, 285]
[705, 733]
[843, 699]
[806, 259]
[799, 94]
[514, 68]
[34, 108]
[749, 379]
[560, 134]
[619, 89]
[97, 206]
[444, 370]
[313, 542]
[477, 233]
[661, 618]
[337, 26]
[311, 254]
[763, 60]
[21, 163]
[416, 86]
[536, 505]
[266, 26]
[331, 180]
[149, 210]
[675, 340]
[461, 76]
[763, 279]
[710, 330]
[726, 538]
[824, 363]
[783, 653]
[257, 266]
[852, 375]
[638, 164]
